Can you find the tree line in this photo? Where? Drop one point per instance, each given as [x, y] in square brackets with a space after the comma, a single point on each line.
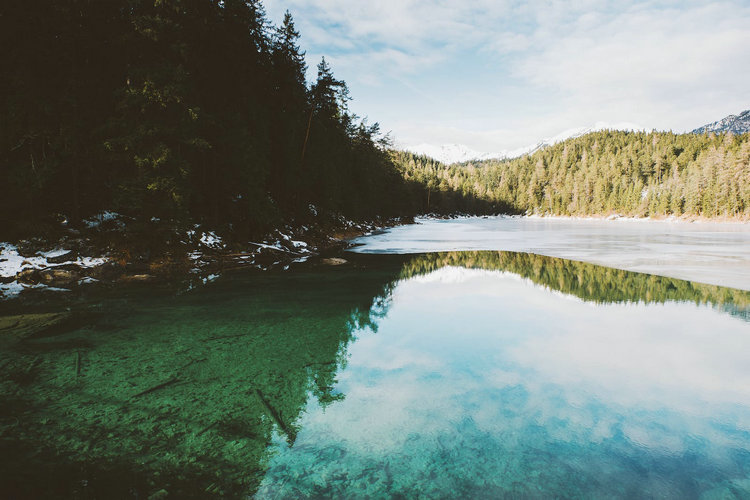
[630, 173]
[589, 282]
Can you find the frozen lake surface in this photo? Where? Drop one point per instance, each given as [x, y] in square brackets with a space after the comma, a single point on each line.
[714, 253]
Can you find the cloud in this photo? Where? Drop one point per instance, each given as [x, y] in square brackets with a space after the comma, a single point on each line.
[503, 74]
[660, 58]
[395, 36]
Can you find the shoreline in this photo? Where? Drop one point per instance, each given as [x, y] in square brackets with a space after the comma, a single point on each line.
[690, 219]
[204, 256]
[58, 266]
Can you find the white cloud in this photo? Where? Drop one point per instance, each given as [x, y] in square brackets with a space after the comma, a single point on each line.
[665, 60]
[501, 75]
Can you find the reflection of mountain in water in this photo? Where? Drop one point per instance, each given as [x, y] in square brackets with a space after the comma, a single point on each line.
[586, 281]
[145, 391]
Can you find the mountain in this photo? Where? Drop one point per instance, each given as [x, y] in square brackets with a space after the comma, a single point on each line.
[736, 124]
[458, 153]
[452, 153]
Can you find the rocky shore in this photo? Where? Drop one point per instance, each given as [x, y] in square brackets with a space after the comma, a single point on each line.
[98, 251]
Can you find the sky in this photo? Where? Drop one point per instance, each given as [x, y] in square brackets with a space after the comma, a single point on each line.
[496, 75]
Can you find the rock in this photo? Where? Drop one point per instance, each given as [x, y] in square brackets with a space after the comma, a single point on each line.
[55, 275]
[59, 259]
[28, 275]
[129, 278]
[334, 261]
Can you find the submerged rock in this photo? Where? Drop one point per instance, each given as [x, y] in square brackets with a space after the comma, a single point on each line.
[26, 325]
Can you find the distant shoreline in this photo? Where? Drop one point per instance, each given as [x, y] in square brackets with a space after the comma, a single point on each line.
[651, 218]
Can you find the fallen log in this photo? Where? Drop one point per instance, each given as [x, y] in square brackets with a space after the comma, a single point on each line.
[291, 435]
[156, 387]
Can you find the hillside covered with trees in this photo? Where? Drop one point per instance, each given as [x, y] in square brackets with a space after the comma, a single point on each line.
[630, 173]
[175, 110]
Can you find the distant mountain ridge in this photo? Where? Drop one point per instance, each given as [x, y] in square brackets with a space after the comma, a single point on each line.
[736, 124]
[452, 153]
[458, 153]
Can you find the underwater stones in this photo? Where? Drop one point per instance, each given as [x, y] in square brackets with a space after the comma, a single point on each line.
[25, 325]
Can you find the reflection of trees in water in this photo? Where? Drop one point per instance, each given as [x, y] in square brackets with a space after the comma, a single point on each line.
[185, 394]
[587, 281]
[188, 393]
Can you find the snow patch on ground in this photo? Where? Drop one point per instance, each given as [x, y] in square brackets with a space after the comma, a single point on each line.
[14, 288]
[210, 278]
[211, 240]
[54, 253]
[11, 289]
[12, 263]
[101, 218]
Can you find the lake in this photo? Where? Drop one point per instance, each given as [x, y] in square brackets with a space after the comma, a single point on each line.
[709, 252]
[478, 374]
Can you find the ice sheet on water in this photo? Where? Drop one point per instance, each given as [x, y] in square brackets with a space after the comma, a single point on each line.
[707, 252]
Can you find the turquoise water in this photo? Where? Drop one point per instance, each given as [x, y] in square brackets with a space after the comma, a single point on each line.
[466, 374]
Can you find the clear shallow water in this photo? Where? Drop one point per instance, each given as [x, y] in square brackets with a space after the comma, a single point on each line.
[481, 374]
[716, 253]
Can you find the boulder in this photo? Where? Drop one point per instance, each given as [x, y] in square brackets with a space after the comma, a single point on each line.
[334, 261]
[131, 278]
[59, 259]
[56, 275]
[28, 275]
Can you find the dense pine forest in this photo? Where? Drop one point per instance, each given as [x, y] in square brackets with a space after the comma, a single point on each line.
[630, 173]
[175, 110]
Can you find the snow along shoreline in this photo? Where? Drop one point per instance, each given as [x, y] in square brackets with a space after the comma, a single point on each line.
[199, 255]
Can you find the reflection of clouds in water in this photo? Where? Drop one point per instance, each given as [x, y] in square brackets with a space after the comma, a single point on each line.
[675, 355]
[477, 364]
[624, 356]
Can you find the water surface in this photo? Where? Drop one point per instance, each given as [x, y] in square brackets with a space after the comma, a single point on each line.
[480, 374]
[709, 252]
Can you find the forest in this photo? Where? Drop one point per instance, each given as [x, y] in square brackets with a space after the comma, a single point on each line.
[171, 111]
[176, 112]
[606, 172]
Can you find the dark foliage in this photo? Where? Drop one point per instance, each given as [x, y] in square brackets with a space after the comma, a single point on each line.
[177, 110]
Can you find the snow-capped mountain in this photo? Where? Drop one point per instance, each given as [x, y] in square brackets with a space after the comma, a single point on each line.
[458, 153]
[736, 124]
[452, 153]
